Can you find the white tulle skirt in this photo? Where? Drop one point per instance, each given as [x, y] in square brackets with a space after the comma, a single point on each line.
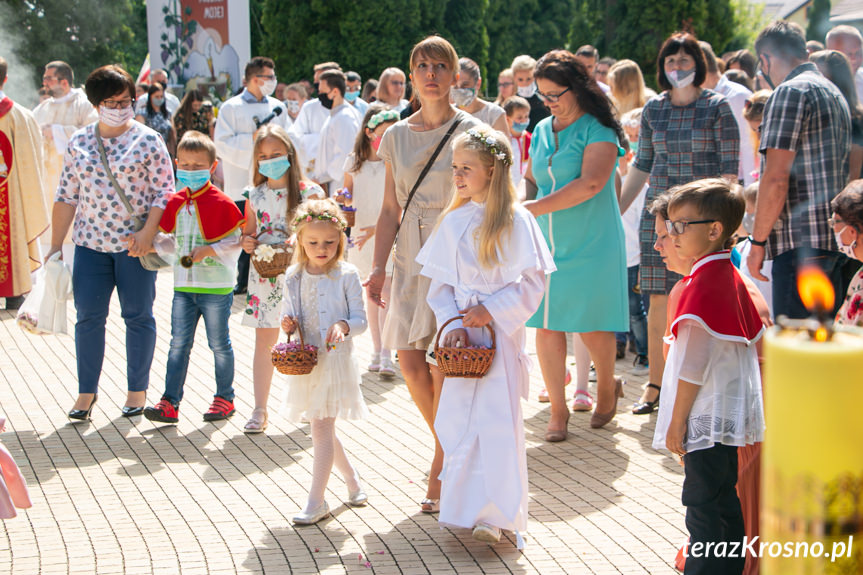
[331, 390]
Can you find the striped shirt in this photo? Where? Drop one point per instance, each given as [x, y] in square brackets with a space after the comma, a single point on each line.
[808, 115]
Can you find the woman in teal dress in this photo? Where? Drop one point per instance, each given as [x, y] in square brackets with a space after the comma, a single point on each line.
[573, 155]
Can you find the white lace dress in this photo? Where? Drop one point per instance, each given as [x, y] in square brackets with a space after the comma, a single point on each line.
[332, 389]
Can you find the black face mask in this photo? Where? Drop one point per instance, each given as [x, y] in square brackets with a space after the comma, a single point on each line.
[326, 101]
[316, 84]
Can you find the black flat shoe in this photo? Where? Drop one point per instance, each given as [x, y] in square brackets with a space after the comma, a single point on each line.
[83, 414]
[132, 411]
[647, 407]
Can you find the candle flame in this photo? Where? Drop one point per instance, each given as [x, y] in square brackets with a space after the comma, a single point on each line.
[821, 334]
[815, 289]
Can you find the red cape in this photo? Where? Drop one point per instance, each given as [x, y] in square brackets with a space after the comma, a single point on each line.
[218, 215]
[716, 297]
[5, 105]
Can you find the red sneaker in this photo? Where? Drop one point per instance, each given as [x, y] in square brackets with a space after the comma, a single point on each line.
[220, 409]
[163, 412]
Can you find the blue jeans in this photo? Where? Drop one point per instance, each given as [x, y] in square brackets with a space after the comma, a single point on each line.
[187, 308]
[94, 276]
[637, 315]
[786, 298]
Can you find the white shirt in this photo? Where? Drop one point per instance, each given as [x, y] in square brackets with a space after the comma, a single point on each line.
[337, 141]
[306, 131]
[171, 102]
[234, 137]
[858, 83]
[737, 95]
[631, 222]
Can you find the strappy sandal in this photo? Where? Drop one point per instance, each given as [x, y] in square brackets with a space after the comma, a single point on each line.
[583, 401]
[647, 407]
[430, 505]
[258, 422]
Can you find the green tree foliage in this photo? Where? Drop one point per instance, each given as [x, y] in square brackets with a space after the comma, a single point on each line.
[819, 20]
[85, 33]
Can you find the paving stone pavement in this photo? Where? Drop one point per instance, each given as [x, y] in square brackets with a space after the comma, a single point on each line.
[127, 496]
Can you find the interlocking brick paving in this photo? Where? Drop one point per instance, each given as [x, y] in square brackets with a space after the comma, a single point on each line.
[126, 496]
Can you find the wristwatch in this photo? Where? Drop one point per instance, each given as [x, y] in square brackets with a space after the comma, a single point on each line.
[755, 242]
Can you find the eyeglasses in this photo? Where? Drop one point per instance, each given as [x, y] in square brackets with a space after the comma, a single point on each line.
[833, 221]
[678, 227]
[266, 76]
[48, 78]
[551, 98]
[397, 83]
[118, 104]
[505, 84]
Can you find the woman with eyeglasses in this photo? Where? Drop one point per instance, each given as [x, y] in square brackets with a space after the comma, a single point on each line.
[391, 89]
[505, 86]
[687, 133]
[847, 223]
[573, 156]
[107, 240]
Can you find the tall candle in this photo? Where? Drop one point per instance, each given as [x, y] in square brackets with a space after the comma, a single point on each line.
[813, 454]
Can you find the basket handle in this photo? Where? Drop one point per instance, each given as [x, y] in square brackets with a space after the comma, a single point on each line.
[452, 319]
[298, 331]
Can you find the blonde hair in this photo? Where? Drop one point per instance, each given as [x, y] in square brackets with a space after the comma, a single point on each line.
[627, 86]
[295, 173]
[507, 73]
[435, 48]
[501, 199]
[312, 211]
[386, 77]
[523, 62]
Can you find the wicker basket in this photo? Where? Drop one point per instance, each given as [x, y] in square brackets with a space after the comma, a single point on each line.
[350, 217]
[276, 266]
[461, 361]
[300, 362]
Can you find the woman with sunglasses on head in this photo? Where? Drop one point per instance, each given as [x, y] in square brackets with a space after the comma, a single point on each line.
[573, 156]
[687, 133]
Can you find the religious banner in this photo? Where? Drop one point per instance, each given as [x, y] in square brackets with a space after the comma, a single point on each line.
[202, 44]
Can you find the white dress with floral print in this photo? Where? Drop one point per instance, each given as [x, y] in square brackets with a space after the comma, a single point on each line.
[264, 300]
[851, 312]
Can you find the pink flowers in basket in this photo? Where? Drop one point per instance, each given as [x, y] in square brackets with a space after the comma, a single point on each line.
[286, 347]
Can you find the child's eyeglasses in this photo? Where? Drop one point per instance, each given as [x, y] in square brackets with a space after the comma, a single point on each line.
[678, 227]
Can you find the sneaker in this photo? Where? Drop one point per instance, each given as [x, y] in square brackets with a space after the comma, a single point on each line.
[163, 412]
[592, 374]
[387, 369]
[640, 365]
[486, 533]
[375, 364]
[621, 349]
[220, 409]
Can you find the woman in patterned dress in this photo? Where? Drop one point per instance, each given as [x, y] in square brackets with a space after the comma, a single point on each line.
[687, 133]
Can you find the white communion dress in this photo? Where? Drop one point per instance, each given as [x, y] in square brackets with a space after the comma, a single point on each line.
[479, 421]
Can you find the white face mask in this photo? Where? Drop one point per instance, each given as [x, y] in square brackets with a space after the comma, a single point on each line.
[293, 107]
[463, 97]
[681, 78]
[527, 91]
[268, 87]
[848, 250]
[115, 118]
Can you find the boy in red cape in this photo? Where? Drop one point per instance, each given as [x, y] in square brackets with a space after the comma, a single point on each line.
[204, 228]
[711, 386]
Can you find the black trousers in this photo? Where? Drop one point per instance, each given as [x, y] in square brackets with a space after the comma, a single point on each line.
[244, 260]
[713, 513]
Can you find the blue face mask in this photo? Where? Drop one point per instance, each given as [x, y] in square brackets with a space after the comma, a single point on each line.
[519, 127]
[634, 147]
[193, 179]
[352, 96]
[274, 168]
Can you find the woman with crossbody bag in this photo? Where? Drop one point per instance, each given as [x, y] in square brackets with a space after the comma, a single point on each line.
[110, 239]
[418, 186]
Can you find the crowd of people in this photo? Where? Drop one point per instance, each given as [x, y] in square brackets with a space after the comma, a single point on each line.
[575, 203]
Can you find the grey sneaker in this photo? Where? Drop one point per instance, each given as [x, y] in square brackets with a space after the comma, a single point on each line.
[640, 365]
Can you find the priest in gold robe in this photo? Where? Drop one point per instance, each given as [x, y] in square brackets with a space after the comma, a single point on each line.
[23, 212]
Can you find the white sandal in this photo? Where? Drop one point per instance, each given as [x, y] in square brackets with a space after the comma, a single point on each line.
[256, 423]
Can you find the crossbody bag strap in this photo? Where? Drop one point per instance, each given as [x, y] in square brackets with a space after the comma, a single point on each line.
[104, 158]
[427, 168]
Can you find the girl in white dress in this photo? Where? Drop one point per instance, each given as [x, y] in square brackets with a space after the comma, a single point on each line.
[278, 190]
[487, 260]
[324, 297]
[364, 180]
